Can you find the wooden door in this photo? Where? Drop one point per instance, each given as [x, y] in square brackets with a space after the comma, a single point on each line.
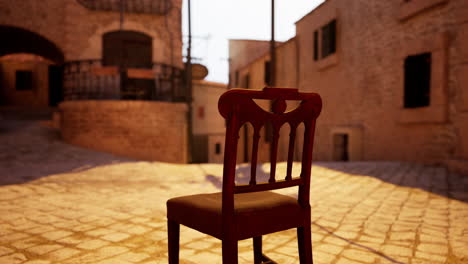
[340, 147]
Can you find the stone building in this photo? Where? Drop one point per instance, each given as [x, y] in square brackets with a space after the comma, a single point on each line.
[119, 83]
[208, 125]
[392, 75]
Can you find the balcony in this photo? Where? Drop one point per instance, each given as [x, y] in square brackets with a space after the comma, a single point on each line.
[156, 7]
[90, 80]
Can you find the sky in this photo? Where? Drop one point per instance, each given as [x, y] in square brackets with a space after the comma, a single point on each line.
[214, 22]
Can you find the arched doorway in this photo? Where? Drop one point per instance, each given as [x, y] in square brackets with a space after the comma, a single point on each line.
[38, 79]
[130, 50]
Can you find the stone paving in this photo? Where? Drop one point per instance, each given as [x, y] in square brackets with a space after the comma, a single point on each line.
[64, 204]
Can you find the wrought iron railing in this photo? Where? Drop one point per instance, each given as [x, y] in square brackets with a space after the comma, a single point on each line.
[89, 80]
[158, 7]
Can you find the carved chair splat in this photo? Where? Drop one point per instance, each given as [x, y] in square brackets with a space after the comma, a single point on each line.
[251, 210]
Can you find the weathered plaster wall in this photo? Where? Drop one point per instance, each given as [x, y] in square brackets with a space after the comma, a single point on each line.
[206, 119]
[362, 84]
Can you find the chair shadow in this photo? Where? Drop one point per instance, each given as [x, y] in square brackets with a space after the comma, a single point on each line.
[243, 177]
[357, 244]
[433, 179]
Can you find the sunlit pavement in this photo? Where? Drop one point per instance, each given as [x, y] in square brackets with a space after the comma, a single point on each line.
[64, 204]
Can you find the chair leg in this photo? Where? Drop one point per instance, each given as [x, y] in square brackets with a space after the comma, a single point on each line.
[173, 241]
[257, 246]
[229, 251]
[304, 241]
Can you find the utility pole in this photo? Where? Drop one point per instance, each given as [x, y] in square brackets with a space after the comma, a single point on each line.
[121, 14]
[272, 81]
[272, 47]
[122, 70]
[188, 69]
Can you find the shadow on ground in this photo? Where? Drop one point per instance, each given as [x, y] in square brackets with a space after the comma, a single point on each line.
[437, 180]
[29, 151]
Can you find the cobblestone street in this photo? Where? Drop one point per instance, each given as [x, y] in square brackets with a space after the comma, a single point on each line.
[64, 204]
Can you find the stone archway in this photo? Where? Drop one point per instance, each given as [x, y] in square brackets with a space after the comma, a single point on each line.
[19, 40]
[130, 51]
[30, 82]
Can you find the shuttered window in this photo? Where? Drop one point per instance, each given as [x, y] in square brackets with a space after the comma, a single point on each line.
[329, 39]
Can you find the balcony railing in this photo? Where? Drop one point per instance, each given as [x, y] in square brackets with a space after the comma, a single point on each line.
[157, 7]
[89, 80]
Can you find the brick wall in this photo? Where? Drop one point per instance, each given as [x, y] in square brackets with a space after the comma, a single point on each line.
[138, 129]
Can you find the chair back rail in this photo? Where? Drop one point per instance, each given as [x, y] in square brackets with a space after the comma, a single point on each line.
[238, 107]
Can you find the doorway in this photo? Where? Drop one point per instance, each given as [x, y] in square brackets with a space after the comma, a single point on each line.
[341, 147]
[130, 50]
[55, 85]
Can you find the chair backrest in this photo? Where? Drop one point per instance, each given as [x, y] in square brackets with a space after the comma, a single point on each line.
[238, 107]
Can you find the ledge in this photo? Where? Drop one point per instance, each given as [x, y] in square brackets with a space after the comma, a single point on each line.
[430, 114]
[327, 62]
[409, 9]
[140, 105]
[462, 91]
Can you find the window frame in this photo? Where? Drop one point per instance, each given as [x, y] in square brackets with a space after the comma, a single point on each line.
[437, 111]
[330, 58]
[328, 37]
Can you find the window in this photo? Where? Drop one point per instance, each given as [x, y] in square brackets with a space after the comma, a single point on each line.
[417, 80]
[329, 39]
[23, 80]
[218, 148]
[324, 41]
[267, 74]
[316, 48]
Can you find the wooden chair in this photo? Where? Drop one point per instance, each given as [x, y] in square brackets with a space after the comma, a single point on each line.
[251, 210]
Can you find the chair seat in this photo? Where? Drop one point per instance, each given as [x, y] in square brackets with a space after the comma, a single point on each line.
[255, 213]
